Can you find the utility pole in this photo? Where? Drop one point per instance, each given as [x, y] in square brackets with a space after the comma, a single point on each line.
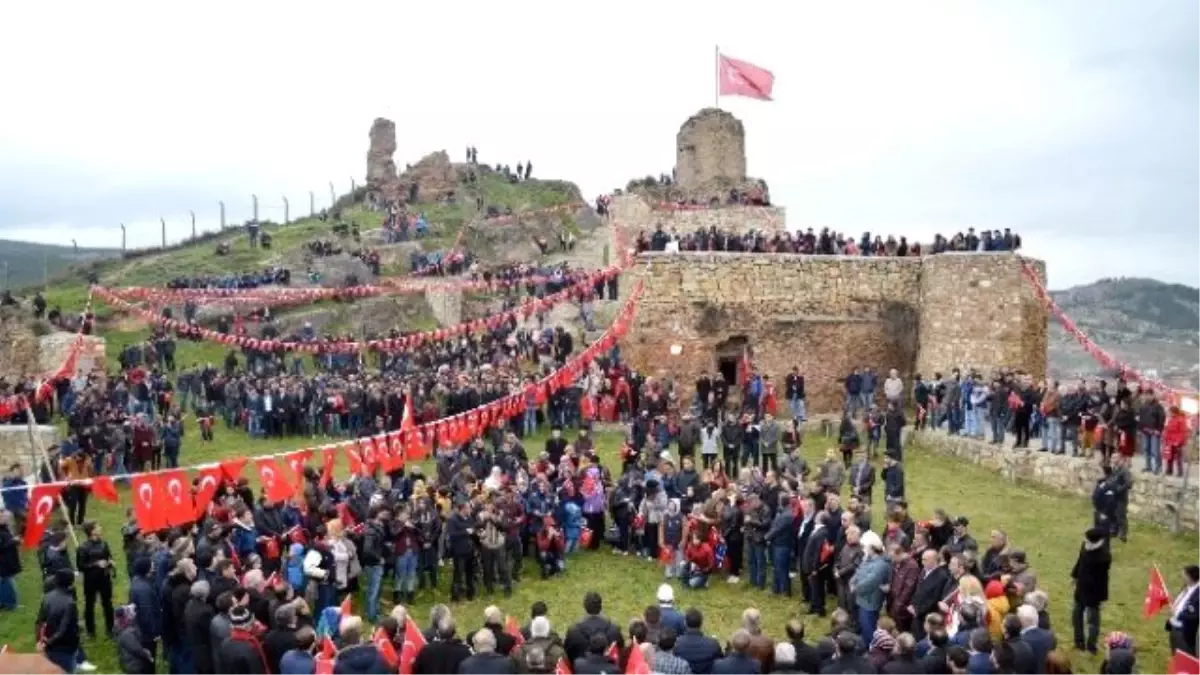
[164, 231]
[286, 210]
[193, 223]
[332, 195]
[222, 214]
[254, 201]
[312, 204]
[122, 237]
[45, 271]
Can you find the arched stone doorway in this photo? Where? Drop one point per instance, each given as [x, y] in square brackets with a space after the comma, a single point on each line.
[729, 354]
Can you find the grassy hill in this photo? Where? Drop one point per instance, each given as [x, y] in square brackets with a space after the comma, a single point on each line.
[1147, 323]
[24, 263]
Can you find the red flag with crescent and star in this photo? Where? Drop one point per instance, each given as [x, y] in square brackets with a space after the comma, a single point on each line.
[148, 501]
[42, 499]
[275, 482]
[296, 461]
[206, 489]
[179, 506]
[328, 457]
[414, 642]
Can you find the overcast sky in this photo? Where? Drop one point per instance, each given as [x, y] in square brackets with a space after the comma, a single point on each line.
[1074, 122]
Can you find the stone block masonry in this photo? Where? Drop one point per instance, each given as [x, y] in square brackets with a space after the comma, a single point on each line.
[1156, 499]
[829, 314]
[15, 447]
[635, 215]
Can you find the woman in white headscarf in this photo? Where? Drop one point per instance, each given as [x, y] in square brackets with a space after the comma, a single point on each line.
[495, 480]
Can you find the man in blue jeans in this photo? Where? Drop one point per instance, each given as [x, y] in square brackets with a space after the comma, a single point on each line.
[1151, 418]
[782, 539]
[867, 584]
[372, 557]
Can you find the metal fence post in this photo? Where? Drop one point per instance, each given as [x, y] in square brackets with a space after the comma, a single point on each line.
[332, 195]
[286, 211]
[353, 185]
[122, 237]
[222, 214]
[193, 223]
[312, 204]
[254, 201]
[164, 231]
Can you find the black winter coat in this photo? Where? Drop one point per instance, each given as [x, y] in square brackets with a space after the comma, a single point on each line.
[1091, 573]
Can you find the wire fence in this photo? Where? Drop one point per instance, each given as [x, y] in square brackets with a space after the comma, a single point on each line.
[209, 221]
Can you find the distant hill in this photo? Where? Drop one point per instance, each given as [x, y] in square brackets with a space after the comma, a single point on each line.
[26, 262]
[1149, 324]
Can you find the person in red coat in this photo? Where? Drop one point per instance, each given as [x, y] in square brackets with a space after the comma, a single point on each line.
[770, 401]
[550, 545]
[1174, 438]
[700, 559]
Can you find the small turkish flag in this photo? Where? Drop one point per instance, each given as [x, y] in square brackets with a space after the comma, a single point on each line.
[41, 504]
[562, 667]
[636, 665]
[180, 508]
[328, 649]
[387, 650]
[104, 490]
[328, 457]
[414, 642]
[275, 483]
[511, 627]
[1157, 595]
[354, 455]
[296, 461]
[148, 502]
[206, 489]
[1183, 663]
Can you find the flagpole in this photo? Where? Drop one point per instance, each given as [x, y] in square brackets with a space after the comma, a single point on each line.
[717, 77]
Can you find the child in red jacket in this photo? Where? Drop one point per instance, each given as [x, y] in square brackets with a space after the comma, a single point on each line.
[1175, 437]
[701, 561]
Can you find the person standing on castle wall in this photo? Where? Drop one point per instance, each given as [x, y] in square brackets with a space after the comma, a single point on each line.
[998, 410]
[952, 402]
[794, 390]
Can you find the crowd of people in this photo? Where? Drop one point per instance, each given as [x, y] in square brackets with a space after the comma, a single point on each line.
[256, 586]
[268, 276]
[825, 242]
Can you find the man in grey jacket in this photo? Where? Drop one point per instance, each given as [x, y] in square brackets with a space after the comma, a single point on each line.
[769, 438]
[893, 387]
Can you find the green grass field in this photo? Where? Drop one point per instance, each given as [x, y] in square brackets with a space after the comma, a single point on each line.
[1048, 526]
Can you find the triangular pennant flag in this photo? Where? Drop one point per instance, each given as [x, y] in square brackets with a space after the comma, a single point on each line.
[231, 469]
[42, 499]
[104, 490]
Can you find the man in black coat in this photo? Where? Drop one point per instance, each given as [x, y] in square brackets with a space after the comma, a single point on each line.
[485, 660]
[1023, 659]
[698, 649]
[808, 660]
[594, 661]
[460, 535]
[848, 660]
[814, 564]
[57, 623]
[1185, 613]
[1090, 575]
[443, 655]
[148, 600]
[197, 631]
[241, 653]
[932, 588]
[579, 636]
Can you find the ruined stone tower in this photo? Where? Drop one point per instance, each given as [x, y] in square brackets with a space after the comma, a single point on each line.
[710, 153]
[381, 167]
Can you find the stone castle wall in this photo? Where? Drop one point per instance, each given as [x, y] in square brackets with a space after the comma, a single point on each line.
[829, 314]
[15, 447]
[1154, 498]
[635, 214]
